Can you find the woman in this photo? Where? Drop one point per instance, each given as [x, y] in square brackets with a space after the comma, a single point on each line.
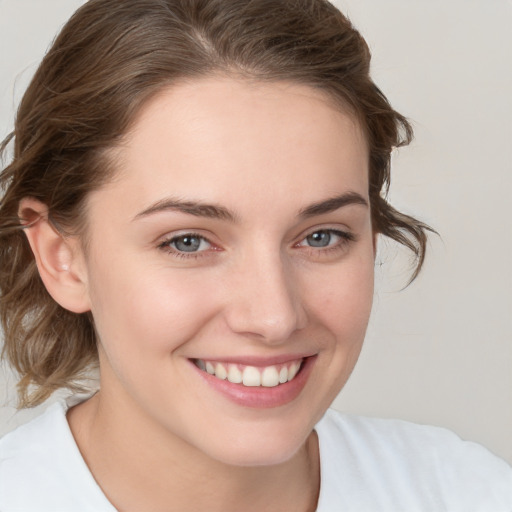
[193, 206]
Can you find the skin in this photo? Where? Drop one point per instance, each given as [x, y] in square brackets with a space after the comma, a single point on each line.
[157, 432]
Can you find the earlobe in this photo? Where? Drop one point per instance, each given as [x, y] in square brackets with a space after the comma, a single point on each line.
[59, 259]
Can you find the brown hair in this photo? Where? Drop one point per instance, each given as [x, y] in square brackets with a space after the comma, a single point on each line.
[108, 60]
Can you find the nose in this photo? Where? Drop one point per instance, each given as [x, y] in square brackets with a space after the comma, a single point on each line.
[264, 300]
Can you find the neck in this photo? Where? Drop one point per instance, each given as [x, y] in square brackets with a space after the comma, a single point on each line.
[140, 466]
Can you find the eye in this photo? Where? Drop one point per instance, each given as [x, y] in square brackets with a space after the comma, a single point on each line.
[319, 239]
[186, 243]
[325, 238]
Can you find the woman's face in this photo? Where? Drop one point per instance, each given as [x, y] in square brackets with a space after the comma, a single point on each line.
[235, 239]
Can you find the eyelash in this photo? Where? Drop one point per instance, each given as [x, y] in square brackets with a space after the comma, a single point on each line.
[165, 245]
[345, 239]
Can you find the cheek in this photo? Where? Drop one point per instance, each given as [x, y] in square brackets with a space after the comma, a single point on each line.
[152, 310]
[342, 299]
[339, 305]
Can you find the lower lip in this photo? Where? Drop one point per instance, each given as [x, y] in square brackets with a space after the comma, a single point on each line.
[260, 396]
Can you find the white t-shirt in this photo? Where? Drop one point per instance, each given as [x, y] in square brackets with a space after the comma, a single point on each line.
[366, 465]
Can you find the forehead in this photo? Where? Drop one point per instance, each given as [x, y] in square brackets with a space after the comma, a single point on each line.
[218, 135]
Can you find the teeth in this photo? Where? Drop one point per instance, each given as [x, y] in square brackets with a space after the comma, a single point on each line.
[220, 372]
[294, 368]
[234, 374]
[251, 376]
[270, 377]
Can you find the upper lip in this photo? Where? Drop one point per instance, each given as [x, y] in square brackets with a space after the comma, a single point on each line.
[256, 360]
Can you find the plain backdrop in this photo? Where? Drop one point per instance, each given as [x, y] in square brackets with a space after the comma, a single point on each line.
[439, 351]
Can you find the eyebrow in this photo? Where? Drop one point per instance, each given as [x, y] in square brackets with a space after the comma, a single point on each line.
[333, 204]
[198, 209]
[213, 211]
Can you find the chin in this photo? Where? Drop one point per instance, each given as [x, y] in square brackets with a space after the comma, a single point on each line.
[262, 448]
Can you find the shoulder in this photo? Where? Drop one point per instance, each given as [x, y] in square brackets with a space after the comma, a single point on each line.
[41, 468]
[402, 463]
[13, 441]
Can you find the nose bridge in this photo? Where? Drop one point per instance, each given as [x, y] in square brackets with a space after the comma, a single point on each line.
[266, 302]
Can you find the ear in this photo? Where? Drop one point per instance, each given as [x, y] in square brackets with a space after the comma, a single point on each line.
[375, 239]
[59, 259]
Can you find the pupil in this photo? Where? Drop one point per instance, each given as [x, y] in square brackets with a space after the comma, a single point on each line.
[319, 239]
[187, 243]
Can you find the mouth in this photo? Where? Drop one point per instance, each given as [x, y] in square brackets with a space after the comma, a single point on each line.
[256, 384]
[252, 376]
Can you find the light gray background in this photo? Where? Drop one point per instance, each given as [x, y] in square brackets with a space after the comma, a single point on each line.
[440, 351]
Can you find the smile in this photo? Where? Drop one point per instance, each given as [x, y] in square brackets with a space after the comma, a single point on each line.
[261, 384]
[251, 376]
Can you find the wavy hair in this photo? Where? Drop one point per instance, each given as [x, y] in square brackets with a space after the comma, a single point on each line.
[107, 61]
